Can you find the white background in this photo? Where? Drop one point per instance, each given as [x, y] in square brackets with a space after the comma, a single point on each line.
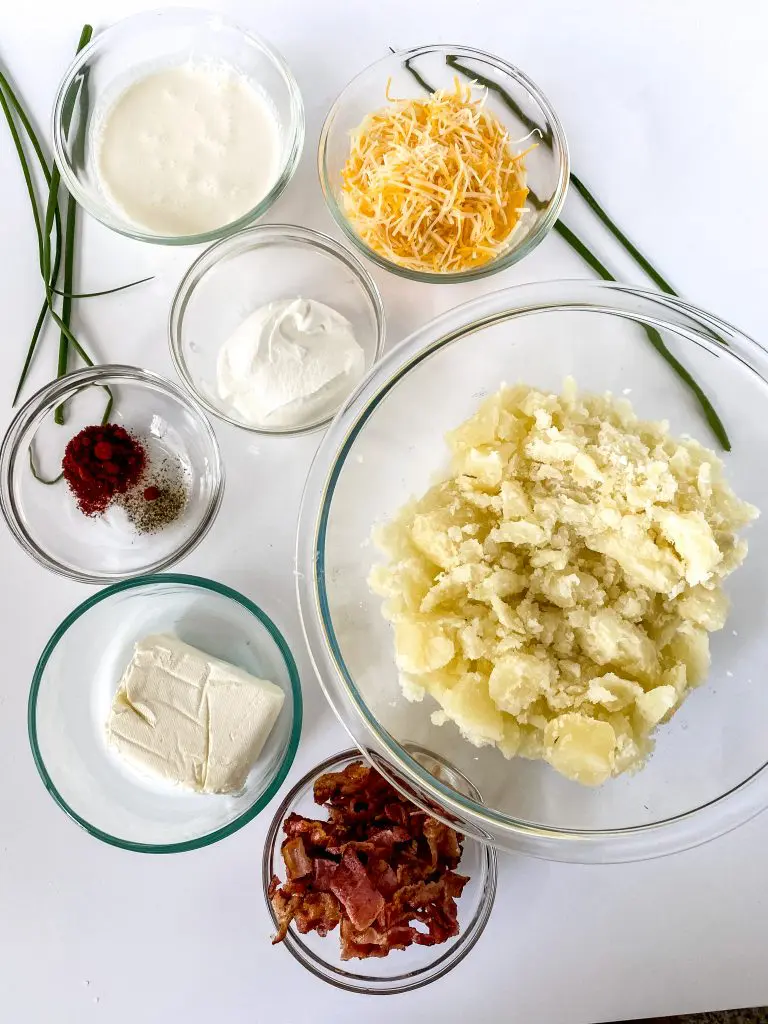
[665, 104]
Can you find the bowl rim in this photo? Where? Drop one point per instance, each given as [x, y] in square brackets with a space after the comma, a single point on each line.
[677, 832]
[506, 259]
[262, 234]
[58, 390]
[294, 128]
[361, 983]
[283, 767]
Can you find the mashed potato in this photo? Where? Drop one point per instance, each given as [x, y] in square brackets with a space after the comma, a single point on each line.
[554, 594]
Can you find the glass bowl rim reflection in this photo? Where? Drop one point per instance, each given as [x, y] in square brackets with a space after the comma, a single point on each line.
[366, 984]
[509, 256]
[294, 128]
[235, 245]
[680, 831]
[63, 388]
[283, 766]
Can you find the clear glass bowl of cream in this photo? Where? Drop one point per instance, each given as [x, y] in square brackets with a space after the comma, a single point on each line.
[177, 127]
[273, 328]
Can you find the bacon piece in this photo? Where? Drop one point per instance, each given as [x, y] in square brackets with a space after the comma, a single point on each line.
[316, 833]
[296, 858]
[323, 872]
[443, 843]
[352, 887]
[284, 905]
[382, 876]
[397, 812]
[319, 912]
[374, 941]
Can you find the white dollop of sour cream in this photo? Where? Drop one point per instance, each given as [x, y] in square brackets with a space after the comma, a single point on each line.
[289, 363]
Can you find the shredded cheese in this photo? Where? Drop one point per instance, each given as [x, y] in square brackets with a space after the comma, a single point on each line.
[433, 185]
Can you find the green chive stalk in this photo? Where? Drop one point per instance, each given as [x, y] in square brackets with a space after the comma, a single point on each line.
[48, 228]
[70, 230]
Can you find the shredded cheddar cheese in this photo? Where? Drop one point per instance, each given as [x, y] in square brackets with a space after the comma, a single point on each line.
[433, 185]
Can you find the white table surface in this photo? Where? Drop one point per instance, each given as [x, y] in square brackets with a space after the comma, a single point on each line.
[665, 105]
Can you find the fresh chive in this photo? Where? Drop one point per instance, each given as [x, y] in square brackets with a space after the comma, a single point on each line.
[69, 231]
[32, 347]
[51, 223]
[107, 291]
[661, 283]
[20, 152]
[585, 253]
[70, 218]
[412, 71]
[104, 419]
[488, 83]
[66, 304]
[52, 219]
[36, 472]
[654, 337]
[416, 75]
[108, 409]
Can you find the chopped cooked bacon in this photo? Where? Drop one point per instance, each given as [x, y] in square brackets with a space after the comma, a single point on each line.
[379, 866]
[316, 832]
[323, 872]
[397, 812]
[374, 941]
[319, 912]
[382, 876]
[443, 842]
[297, 860]
[284, 905]
[353, 889]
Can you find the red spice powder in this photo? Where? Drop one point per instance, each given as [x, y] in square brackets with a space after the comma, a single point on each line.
[101, 462]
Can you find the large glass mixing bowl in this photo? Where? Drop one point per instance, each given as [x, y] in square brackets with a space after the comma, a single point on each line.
[710, 769]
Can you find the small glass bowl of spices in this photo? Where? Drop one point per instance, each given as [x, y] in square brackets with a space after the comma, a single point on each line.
[129, 483]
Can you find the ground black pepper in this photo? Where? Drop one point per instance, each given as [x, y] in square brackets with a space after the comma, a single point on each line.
[160, 497]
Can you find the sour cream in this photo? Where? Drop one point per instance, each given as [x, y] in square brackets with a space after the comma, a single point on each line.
[289, 363]
[188, 149]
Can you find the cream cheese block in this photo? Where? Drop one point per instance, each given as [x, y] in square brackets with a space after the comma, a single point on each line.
[189, 718]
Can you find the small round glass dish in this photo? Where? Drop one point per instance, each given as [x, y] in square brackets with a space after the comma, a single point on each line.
[182, 457]
[76, 680]
[515, 100]
[401, 970]
[709, 770]
[151, 42]
[240, 274]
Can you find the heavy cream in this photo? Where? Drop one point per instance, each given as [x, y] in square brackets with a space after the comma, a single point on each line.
[191, 719]
[188, 149]
[288, 363]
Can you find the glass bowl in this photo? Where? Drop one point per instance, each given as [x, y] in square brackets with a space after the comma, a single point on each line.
[403, 969]
[547, 165]
[237, 275]
[709, 771]
[75, 682]
[149, 42]
[46, 521]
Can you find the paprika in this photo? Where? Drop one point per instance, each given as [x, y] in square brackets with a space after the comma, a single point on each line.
[101, 462]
